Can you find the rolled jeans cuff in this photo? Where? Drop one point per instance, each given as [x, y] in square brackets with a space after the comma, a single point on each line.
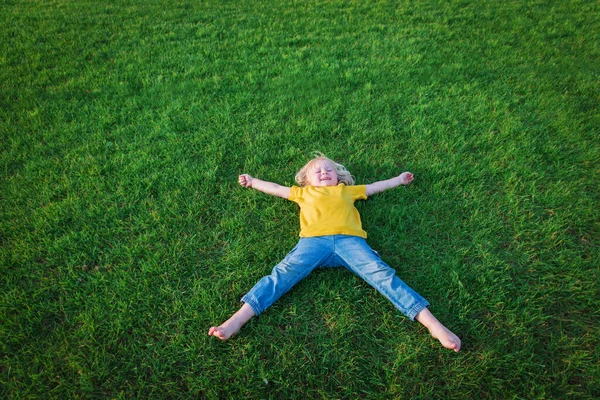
[420, 306]
[251, 301]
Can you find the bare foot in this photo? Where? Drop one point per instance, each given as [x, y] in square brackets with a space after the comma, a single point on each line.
[446, 337]
[221, 332]
[233, 324]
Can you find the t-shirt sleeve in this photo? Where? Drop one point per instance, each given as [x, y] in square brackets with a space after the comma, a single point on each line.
[296, 194]
[359, 192]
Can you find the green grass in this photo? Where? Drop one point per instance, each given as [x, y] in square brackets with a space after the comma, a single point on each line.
[124, 234]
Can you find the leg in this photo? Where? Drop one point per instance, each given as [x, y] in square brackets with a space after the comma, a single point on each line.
[358, 256]
[448, 339]
[299, 263]
[308, 254]
[355, 254]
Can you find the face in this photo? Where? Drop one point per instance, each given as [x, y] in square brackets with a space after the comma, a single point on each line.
[322, 173]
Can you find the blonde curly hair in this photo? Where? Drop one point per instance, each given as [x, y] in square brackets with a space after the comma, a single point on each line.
[343, 175]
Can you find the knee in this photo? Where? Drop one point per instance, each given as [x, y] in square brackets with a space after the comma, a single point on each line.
[381, 269]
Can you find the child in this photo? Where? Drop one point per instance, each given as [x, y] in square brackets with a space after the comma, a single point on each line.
[331, 235]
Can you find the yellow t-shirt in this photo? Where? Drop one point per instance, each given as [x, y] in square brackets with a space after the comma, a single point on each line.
[329, 210]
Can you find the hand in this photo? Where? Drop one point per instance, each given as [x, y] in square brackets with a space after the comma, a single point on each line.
[245, 180]
[406, 178]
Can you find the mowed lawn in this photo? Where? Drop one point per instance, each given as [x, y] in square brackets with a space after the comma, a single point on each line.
[124, 234]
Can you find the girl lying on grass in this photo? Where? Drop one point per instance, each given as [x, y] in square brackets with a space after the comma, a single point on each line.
[331, 235]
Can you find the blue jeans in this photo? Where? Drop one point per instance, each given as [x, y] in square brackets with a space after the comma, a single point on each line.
[351, 252]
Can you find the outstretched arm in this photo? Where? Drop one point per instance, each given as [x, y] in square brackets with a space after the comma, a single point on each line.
[264, 186]
[403, 179]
